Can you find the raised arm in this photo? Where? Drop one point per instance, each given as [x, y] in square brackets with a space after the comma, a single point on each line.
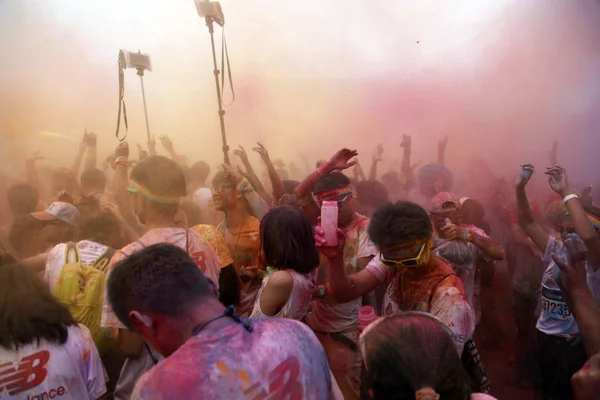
[377, 157]
[344, 288]
[442, 150]
[251, 175]
[79, 156]
[340, 160]
[170, 148]
[557, 178]
[531, 228]
[276, 182]
[92, 153]
[579, 298]
[258, 205]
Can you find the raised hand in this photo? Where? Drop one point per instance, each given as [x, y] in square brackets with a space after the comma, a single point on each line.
[232, 172]
[262, 151]
[453, 232]
[122, 149]
[167, 144]
[525, 175]
[586, 382]
[378, 153]
[406, 142]
[343, 159]
[90, 138]
[241, 153]
[37, 156]
[442, 143]
[152, 145]
[327, 251]
[557, 178]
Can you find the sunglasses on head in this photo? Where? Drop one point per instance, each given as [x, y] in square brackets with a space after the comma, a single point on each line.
[407, 262]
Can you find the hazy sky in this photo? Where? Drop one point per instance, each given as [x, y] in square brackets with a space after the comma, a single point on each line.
[503, 78]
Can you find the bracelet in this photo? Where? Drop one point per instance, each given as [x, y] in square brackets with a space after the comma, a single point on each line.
[121, 160]
[570, 197]
[467, 236]
[245, 186]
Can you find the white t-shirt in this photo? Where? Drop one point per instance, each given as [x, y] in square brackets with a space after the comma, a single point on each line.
[198, 249]
[327, 315]
[89, 252]
[51, 371]
[556, 318]
[280, 359]
[297, 305]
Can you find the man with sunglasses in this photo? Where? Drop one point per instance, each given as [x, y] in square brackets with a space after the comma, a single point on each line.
[462, 246]
[335, 323]
[417, 280]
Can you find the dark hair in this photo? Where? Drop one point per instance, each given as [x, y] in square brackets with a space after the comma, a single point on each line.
[402, 222]
[371, 193]
[332, 181]
[23, 230]
[287, 240]
[102, 228]
[93, 179]
[221, 177]
[161, 278]
[162, 177]
[290, 186]
[28, 311]
[199, 172]
[88, 206]
[22, 198]
[408, 351]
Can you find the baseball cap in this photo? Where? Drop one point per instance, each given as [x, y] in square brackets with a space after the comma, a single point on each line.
[59, 210]
[439, 200]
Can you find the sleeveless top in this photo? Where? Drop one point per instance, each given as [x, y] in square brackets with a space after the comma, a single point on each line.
[299, 301]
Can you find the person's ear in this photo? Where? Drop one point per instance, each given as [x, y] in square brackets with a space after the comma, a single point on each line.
[143, 323]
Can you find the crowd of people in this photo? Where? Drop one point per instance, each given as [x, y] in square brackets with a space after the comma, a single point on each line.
[140, 278]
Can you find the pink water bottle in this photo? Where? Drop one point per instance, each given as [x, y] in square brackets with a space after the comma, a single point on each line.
[366, 315]
[329, 222]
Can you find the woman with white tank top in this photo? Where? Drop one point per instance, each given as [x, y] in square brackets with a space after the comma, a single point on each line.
[289, 249]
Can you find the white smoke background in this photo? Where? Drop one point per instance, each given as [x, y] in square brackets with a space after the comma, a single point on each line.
[503, 79]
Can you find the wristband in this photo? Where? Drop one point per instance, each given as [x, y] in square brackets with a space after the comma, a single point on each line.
[121, 160]
[570, 197]
[467, 236]
[244, 187]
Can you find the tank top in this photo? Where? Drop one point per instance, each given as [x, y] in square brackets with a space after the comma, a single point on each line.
[297, 305]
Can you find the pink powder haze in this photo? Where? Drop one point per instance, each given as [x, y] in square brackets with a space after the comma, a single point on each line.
[502, 78]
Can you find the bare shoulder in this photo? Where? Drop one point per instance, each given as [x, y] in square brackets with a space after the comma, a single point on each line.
[281, 279]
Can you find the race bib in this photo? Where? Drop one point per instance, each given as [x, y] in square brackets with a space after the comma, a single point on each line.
[554, 305]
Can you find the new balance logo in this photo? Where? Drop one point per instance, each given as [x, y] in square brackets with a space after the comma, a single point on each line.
[30, 373]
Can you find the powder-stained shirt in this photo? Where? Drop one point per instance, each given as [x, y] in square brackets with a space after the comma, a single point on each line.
[243, 241]
[217, 241]
[556, 318]
[198, 249]
[436, 291]
[327, 315]
[46, 370]
[279, 359]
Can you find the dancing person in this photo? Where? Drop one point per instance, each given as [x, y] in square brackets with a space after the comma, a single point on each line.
[411, 355]
[335, 322]
[288, 247]
[50, 354]
[157, 186]
[560, 352]
[212, 353]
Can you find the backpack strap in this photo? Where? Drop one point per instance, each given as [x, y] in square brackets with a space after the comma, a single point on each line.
[436, 287]
[72, 251]
[102, 262]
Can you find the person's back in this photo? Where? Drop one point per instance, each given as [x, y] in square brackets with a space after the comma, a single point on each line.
[279, 357]
[298, 303]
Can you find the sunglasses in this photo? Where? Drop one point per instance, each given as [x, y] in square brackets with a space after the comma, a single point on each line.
[340, 200]
[407, 262]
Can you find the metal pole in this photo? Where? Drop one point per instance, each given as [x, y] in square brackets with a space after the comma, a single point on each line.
[209, 23]
[141, 74]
